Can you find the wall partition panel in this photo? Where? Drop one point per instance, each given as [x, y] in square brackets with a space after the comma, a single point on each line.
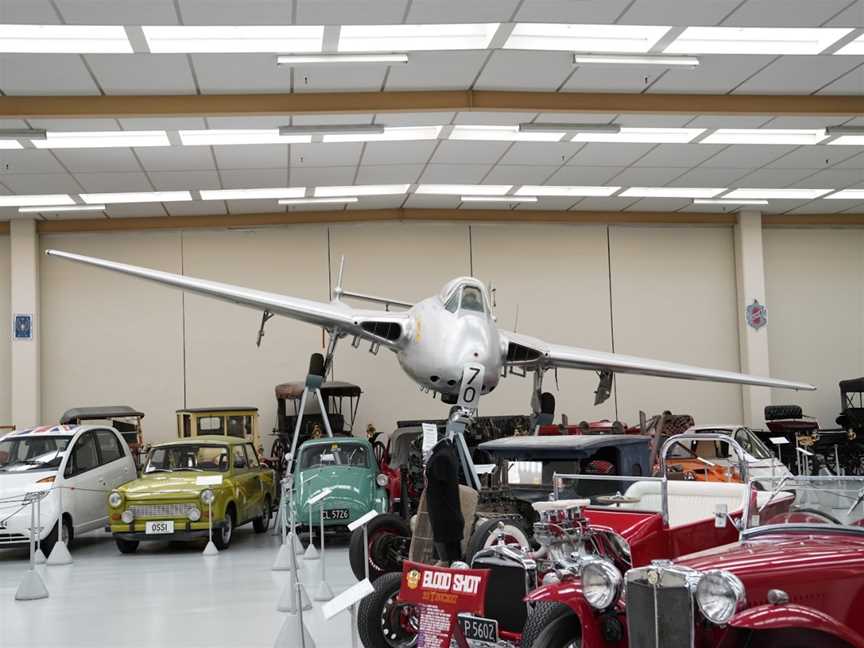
[673, 298]
[109, 339]
[5, 334]
[814, 280]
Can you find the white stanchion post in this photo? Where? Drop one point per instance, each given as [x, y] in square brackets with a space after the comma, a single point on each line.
[324, 591]
[210, 549]
[60, 553]
[294, 633]
[32, 586]
[283, 559]
[295, 591]
[311, 552]
[39, 555]
[293, 538]
[363, 523]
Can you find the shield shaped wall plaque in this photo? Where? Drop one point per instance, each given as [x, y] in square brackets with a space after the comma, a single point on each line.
[757, 315]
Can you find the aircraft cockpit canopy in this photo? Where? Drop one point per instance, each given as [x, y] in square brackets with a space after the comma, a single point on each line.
[464, 295]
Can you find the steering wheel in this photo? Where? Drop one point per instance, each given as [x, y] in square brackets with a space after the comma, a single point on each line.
[803, 515]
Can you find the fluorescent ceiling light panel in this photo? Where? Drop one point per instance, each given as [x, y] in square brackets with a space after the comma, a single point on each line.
[847, 194]
[60, 208]
[765, 136]
[361, 190]
[253, 194]
[182, 39]
[41, 199]
[102, 139]
[408, 38]
[463, 190]
[314, 201]
[314, 59]
[10, 144]
[502, 134]
[647, 135]
[64, 39]
[777, 194]
[611, 59]
[542, 190]
[227, 136]
[541, 127]
[584, 38]
[672, 192]
[510, 199]
[855, 47]
[396, 134]
[721, 201]
[136, 197]
[754, 40]
[334, 129]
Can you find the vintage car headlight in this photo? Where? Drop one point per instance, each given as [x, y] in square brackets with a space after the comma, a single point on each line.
[115, 499]
[194, 514]
[601, 583]
[127, 517]
[382, 480]
[719, 595]
[207, 496]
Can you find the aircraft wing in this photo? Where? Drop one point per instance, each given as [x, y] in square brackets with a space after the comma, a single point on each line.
[532, 353]
[384, 328]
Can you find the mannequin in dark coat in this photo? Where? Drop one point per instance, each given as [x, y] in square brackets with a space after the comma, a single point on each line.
[442, 501]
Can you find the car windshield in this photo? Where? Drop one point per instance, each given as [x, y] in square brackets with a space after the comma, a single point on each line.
[798, 500]
[174, 458]
[334, 454]
[749, 442]
[21, 454]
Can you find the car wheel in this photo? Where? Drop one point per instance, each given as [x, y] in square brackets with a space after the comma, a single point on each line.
[563, 632]
[387, 534]
[126, 546]
[222, 537]
[262, 522]
[385, 622]
[47, 545]
[544, 613]
[487, 534]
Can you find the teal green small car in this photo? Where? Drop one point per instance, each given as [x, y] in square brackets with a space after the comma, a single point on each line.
[347, 466]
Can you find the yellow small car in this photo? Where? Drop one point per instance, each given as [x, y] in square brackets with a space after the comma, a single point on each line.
[182, 481]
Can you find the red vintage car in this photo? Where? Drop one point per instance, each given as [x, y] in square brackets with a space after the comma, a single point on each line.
[795, 579]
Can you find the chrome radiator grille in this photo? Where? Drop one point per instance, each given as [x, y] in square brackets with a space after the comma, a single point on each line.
[659, 609]
[161, 510]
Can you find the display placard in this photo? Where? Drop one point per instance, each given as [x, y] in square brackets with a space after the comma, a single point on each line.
[778, 440]
[22, 327]
[320, 495]
[359, 522]
[347, 598]
[430, 437]
[472, 382]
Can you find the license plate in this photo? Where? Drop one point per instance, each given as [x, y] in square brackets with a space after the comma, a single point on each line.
[336, 514]
[159, 528]
[478, 628]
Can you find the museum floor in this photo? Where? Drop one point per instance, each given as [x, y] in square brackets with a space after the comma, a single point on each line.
[164, 595]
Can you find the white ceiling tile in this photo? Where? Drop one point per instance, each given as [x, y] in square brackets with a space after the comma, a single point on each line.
[36, 183]
[237, 73]
[523, 70]
[851, 83]
[29, 161]
[398, 152]
[715, 74]
[705, 177]
[582, 118]
[113, 182]
[142, 73]
[322, 155]
[826, 207]
[95, 160]
[106, 124]
[833, 178]
[28, 12]
[747, 156]
[389, 174]
[520, 174]
[45, 74]
[350, 12]
[436, 71]
[179, 181]
[463, 152]
[415, 119]
[773, 178]
[852, 16]
[423, 201]
[258, 156]
[162, 123]
[609, 154]
[322, 176]
[249, 122]
[678, 155]
[676, 12]
[603, 204]
[646, 176]
[377, 202]
[808, 121]
[728, 121]
[798, 74]
[814, 157]
[659, 204]
[176, 158]
[230, 12]
[135, 210]
[117, 12]
[492, 118]
[854, 162]
[548, 153]
[785, 13]
[196, 208]
[458, 11]
[553, 203]
[454, 173]
[254, 206]
[653, 121]
[568, 11]
[582, 176]
[340, 78]
[352, 118]
[613, 78]
[90, 215]
[254, 178]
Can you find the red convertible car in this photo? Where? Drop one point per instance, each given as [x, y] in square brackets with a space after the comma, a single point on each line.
[795, 579]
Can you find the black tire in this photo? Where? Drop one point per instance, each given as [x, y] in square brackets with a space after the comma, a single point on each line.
[126, 546]
[381, 526]
[262, 522]
[47, 545]
[563, 632]
[483, 534]
[378, 614]
[544, 613]
[777, 412]
[222, 537]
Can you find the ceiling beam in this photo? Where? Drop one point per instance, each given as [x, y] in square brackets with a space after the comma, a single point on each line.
[422, 101]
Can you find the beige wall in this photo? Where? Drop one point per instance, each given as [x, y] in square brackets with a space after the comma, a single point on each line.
[815, 296]
[5, 334]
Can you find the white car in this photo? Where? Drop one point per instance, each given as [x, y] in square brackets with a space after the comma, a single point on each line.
[90, 459]
[763, 467]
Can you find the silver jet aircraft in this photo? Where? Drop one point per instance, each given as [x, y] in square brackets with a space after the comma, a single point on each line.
[448, 344]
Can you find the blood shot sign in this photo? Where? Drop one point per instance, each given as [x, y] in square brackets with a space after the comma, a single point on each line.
[440, 594]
